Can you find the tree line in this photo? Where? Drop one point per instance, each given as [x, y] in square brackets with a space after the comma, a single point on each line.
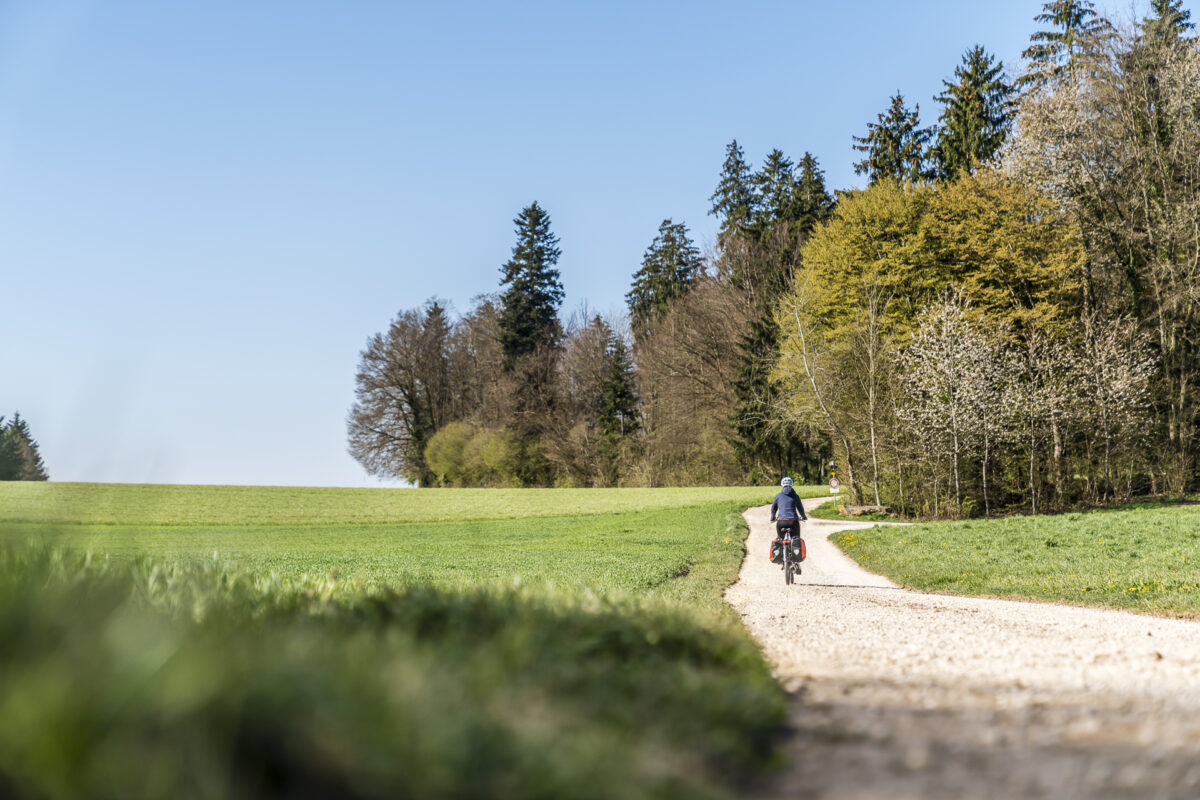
[1013, 324]
[676, 392]
[1005, 317]
[19, 456]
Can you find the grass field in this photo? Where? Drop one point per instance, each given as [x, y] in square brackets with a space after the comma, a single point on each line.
[247, 642]
[163, 505]
[1140, 558]
[606, 539]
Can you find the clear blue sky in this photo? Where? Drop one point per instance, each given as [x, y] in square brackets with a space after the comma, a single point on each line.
[206, 208]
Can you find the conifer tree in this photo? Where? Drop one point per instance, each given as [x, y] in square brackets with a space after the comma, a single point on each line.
[813, 203]
[9, 458]
[895, 145]
[617, 417]
[792, 205]
[19, 456]
[752, 416]
[793, 201]
[734, 201]
[775, 187]
[976, 116]
[669, 266]
[1169, 21]
[1158, 36]
[619, 403]
[529, 305]
[1055, 52]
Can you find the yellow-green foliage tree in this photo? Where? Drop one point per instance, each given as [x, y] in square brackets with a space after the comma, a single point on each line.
[460, 454]
[863, 275]
[1016, 257]
[868, 276]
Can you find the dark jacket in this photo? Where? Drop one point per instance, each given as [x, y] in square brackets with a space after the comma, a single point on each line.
[787, 505]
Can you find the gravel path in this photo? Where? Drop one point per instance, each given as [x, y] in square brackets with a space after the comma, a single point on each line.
[900, 694]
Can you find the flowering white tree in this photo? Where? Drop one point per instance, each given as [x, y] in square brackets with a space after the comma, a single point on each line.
[1112, 379]
[954, 380]
[1042, 396]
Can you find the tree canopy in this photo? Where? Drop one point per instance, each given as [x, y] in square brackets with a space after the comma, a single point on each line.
[20, 459]
[734, 202]
[1055, 51]
[529, 304]
[669, 267]
[976, 115]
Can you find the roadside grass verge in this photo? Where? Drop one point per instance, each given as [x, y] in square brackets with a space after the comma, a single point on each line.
[586, 656]
[829, 510]
[1137, 558]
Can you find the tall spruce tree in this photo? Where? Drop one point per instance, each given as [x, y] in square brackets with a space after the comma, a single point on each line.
[1169, 21]
[10, 460]
[669, 267]
[1054, 53]
[895, 145]
[619, 403]
[775, 187]
[754, 433]
[20, 459]
[976, 116]
[618, 418]
[813, 203]
[529, 305]
[1158, 37]
[793, 201]
[734, 202]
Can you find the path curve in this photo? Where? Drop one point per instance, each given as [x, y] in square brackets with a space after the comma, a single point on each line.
[901, 694]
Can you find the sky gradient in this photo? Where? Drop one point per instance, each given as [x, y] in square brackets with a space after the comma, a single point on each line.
[207, 208]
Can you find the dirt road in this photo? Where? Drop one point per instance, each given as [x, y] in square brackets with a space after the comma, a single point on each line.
[899, 694]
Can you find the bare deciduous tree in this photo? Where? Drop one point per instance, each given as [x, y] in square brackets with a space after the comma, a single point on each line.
[686, 370]
[404, 393]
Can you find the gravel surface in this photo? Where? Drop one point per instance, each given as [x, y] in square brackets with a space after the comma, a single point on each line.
[901, 694]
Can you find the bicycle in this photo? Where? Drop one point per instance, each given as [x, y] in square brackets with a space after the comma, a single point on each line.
[793, 552]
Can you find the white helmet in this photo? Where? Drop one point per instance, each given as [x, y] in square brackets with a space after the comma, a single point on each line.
[786, 482]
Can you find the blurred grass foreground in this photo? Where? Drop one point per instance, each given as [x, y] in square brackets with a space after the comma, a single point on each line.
[172, 675]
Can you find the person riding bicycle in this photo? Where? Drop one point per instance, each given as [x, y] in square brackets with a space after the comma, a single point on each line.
[787, 511]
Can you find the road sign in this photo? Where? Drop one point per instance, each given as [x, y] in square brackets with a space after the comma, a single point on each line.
[833, 484]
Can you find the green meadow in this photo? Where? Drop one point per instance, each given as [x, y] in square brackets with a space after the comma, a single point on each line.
[251, 642]
[1143, 558]
[602, 539]
[166, 505]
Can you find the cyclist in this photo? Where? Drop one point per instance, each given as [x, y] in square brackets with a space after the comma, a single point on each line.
[786, 510]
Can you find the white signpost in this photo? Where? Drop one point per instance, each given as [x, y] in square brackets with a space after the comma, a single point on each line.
[833, 485]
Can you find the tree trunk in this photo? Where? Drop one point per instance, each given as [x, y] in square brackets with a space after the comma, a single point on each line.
[1107, 452]
[874, 460]
[987, 508]
[1032, 484]
[821, 401]
[1056, 433]
[957, 488]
